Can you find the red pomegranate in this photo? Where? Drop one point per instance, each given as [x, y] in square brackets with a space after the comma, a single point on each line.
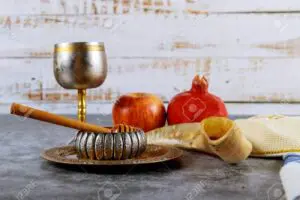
[196, 104]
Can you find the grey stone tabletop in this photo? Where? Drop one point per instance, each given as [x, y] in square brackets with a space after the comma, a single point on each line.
[25, 175]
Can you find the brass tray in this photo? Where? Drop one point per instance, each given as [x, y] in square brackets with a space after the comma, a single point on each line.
[153, 154]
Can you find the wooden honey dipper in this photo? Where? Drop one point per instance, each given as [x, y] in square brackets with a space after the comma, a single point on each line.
[93, 141]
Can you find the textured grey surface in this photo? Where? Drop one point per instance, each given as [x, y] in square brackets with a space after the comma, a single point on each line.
[24, 175]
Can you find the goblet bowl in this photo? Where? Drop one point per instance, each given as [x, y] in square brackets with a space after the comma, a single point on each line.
[80, 65]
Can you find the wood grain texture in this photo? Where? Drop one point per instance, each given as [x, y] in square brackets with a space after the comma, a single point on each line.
[248, 49]
[234, 79]
[90, 7]
[235, 35]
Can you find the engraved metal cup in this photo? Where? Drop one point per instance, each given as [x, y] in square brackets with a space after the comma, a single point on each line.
[80, 65]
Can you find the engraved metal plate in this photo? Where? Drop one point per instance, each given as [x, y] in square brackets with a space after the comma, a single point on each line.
[152, 154]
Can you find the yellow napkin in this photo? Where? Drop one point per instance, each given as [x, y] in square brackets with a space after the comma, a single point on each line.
[273, 135]
[234, 141]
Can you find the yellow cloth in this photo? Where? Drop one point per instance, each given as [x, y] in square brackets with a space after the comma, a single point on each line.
[271, 135]
[234, 141]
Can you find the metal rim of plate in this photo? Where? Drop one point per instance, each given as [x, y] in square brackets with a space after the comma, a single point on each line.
[153, 154]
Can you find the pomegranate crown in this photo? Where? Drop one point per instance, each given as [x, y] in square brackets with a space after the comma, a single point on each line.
[200, 84]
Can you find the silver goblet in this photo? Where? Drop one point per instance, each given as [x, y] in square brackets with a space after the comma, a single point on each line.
[80, 65]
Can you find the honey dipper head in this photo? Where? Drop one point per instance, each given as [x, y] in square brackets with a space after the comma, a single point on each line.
[122, 128]
[123, 142]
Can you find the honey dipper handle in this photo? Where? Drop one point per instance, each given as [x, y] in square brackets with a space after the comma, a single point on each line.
[25, 111]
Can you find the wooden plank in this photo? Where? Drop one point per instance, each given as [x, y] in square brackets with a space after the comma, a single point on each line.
[34, 36]
[233, 79]
[151, 36]
[90, 7]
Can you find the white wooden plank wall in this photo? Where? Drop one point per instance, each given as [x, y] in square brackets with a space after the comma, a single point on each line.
[249, 49]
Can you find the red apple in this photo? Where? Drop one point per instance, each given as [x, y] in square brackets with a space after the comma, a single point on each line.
[142, 110]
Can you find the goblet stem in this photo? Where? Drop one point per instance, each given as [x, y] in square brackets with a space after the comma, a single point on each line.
[81, 105]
